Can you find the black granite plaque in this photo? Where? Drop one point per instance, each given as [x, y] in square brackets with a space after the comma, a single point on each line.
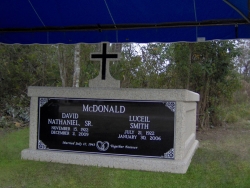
[117, 127]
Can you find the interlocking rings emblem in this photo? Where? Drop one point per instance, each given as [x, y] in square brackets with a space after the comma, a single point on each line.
[102, 146]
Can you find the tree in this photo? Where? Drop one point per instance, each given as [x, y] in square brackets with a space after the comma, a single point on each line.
[89, 69]
[126, 68]
[244, 58]
[65, 62]
[142, 66]
[22, 66]
[25, 65]
[208, 69]
[76, 74]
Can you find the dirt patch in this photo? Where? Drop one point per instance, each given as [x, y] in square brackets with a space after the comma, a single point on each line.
[215, 134]
[2, 132]
[227, 138]
[219, 133]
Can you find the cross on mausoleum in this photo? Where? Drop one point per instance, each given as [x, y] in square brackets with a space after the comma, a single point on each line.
[104, 57]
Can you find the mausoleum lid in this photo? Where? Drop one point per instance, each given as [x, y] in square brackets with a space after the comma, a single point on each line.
[114, 93]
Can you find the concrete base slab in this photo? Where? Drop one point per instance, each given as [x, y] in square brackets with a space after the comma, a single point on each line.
[113, 161]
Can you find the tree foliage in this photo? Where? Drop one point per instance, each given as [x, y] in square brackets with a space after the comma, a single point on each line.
[243, 62]
[21, 66]
[208, 69]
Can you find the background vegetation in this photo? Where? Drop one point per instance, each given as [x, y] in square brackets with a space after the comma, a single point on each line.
[217, 70]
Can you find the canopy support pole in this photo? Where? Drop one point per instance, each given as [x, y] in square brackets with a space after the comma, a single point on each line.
[235, 8]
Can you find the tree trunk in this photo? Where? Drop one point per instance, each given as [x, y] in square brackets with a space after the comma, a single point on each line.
[203, 105]
[189, 64]
[61, 64]
[76, 74]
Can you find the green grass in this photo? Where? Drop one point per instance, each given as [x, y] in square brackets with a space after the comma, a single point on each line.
[222, 160]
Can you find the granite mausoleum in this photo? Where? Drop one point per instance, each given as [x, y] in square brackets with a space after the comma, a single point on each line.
[105, 125]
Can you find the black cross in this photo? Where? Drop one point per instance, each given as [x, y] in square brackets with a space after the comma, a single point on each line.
[103, 56]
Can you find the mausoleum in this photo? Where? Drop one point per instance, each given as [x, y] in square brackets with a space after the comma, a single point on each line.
[105, 125]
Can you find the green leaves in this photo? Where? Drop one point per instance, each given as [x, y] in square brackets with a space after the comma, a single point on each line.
[208, 69]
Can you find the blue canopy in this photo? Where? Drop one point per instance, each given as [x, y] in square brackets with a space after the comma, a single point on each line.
[92, 21]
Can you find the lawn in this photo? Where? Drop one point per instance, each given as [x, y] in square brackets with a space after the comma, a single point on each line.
[222, 160]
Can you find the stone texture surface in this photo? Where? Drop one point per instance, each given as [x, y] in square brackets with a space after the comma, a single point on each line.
[189, 125]
[123, 162]
[179, 133]
[115, 93]
[33, 123]
[109, 82]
